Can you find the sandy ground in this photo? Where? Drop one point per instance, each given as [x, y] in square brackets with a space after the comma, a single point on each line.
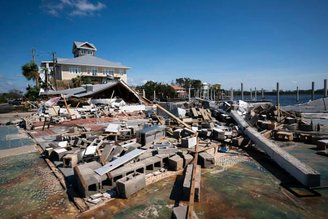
[6, 117]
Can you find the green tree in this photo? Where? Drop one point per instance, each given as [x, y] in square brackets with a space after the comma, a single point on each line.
[32, 92]
[77, 81]
[162, 90]
[31, 72]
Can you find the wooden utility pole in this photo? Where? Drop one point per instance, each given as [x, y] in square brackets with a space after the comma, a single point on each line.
[54, 68]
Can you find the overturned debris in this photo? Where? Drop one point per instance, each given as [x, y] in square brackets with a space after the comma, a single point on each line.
[302, 172]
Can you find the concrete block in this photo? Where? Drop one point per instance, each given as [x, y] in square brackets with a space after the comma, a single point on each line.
[187, 182]
[206, 160]
[188, 142]
[130, 184]
[149, 135]
[322, 144]
[187, 158]
[180, 212]
[70, 160]
[218, 134]
[58, 153]
[175, 163]
[177, 133]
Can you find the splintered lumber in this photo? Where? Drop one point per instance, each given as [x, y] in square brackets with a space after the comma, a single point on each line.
[66, 106]
[300, 171]
[194, 112]
[204, 114]
[173, 116]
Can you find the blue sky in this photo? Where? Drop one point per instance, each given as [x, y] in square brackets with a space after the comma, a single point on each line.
[218, 41]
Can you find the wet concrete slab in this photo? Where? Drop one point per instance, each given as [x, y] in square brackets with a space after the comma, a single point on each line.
[28, 189]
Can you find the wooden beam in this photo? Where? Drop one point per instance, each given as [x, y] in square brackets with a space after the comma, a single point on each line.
[173, 116]
[66, 106]
[192, 187]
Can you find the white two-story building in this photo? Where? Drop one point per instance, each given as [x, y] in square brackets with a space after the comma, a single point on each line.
[86, 64]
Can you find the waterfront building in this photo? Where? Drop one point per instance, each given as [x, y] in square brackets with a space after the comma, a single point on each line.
[85, 64]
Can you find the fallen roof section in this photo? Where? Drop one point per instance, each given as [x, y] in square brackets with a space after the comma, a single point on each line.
[120, 88]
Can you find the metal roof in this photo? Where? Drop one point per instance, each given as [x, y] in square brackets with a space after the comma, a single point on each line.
[80, 44]
[96, 88]
[68, 92]
[90, 60]
[119, 161]
[93, 89]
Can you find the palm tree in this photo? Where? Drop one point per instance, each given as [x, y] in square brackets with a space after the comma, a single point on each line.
[77, 81]
[31, 72]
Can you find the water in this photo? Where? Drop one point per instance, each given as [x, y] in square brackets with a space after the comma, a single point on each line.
[285, 100]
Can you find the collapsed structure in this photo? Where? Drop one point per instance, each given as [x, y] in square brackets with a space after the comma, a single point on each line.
[136, 143]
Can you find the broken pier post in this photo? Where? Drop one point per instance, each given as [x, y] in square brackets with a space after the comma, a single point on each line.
[312, 91]
[242, 91]
[278, 100]
[325, 88]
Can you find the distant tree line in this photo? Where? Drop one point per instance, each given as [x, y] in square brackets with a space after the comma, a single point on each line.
[10, 96]
[163, 91]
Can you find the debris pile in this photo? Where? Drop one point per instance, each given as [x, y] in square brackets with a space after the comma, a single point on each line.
[137, 143]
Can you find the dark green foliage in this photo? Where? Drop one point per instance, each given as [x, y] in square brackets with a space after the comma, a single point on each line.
[79, 80]
[163, 91]
[31, 72]
[32, 92]
[10, 95]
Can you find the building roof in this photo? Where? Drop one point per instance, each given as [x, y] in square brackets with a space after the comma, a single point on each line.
[81, 44]
[83, 90]
[90, 60]
[89, 90]
[175, 87]
[96, 88]
[67, 92]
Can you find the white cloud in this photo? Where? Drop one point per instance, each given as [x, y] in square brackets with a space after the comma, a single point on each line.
[72, 7]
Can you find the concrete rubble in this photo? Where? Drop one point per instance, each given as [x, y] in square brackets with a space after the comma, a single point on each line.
[113, 147]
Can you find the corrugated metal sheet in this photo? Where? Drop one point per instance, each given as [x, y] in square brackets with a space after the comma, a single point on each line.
[119, 161]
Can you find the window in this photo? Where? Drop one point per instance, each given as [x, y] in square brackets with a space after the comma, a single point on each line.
[108, 71]
[74, 69]
[92, 70]
[121, 71]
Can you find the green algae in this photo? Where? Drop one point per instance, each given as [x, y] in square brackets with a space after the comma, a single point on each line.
[28, 189]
